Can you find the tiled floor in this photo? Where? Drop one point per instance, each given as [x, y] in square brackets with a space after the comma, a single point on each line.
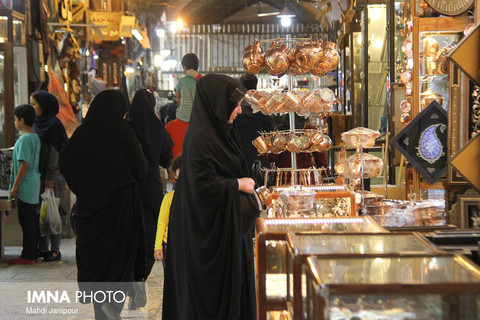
[20, 283]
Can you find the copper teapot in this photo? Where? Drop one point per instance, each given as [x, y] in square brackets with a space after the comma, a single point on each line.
[253, 60]
[303, 58]
[331, 54]
[276, 59]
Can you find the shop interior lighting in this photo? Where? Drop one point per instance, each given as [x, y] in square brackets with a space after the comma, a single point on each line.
[359, 38]
[165, 52]
[160, 32]
[378, 44]
[157, 60]
[137, 34]
[169, 64]
[172, 27]
[179, 23]
[285, 17]
[129, 70]
[285, 21]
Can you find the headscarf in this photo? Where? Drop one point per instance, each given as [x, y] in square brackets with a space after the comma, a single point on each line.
[98, 158]
[48, 126]
[206, 260]
[149, 130]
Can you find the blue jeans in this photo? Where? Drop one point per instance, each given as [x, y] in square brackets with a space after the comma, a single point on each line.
[28, 219]
[54, 242]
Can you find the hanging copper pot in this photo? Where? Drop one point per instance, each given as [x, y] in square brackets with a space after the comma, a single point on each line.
[331, 54]
[276, 59]
[305, 55]
[253, 60]
[262, 144]
[291, 101]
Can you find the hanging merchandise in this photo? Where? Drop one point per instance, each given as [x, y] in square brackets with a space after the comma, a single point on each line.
[318, 57]
[68, 55]
[65, 113]
[424, 142]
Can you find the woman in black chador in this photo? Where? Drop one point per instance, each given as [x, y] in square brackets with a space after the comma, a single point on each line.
[103, 164]
[209, 271]
[157, 147]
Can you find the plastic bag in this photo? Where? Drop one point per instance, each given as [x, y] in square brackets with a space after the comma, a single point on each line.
[50, 221]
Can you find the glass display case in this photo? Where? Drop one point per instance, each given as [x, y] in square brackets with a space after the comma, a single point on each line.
[271, 250]
[288, 284]
[403, 287]
[301, 246]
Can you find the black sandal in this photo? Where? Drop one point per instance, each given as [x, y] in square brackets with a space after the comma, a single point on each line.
[53, 256]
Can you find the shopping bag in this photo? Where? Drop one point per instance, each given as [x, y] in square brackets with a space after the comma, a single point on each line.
[50, 221]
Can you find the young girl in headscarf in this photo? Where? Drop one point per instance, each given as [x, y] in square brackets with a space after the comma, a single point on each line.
[209, 271]
[53, 139]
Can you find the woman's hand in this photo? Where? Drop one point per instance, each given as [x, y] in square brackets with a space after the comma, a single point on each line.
[49, 184]
[246, 185]
[158, 254]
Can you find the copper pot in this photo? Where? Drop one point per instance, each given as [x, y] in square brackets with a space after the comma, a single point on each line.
[253, 60]
[290, 101]
[331, 54]
[280, 140]
[318, 51]
[321, 68]
[293, 145]
[262, 144]
[309, 103]
[316, 138]
[275, 103]
[305, 55]
[257, 99]
[276, 59]
[326, 143]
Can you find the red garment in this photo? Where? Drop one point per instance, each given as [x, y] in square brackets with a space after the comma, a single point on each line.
[177, 129]
[198, 77]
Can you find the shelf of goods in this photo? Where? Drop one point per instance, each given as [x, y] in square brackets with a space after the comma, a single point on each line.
[428, 75]
[294, 57]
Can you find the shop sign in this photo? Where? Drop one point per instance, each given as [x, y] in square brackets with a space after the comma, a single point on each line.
[111, 21]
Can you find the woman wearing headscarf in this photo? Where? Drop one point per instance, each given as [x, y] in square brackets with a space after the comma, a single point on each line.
[53, 139]
[209, 271]
[156, 145]
[103, 164]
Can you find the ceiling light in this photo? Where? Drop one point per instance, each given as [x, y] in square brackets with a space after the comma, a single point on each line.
[285, 17]
[179, 23]
[285, 21]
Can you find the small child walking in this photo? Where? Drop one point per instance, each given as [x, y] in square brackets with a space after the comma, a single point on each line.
[163, 218]
[25, 182]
